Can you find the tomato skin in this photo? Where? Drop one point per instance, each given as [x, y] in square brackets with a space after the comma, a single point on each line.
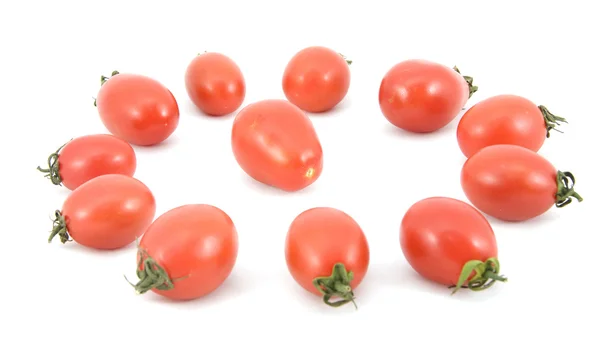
[109, 212]
[275, 143]
[438, 235]
[422, 96]
[320, 237]
[316, 79]
[195, 243]
[215, 84]
[502, 119]
[137, 109]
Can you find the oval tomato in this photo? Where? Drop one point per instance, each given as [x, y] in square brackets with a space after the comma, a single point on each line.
[87, 157]
[316, 79]
[513, 183]
[187, 252]
[137, 109]
[327, 254]
[421, 96]
[449, 242]
[505, 119]
[275, 143]
[215, 84]
[107, 212]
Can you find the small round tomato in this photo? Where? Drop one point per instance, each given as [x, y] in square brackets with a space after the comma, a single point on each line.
[327, 254]
[108, 212]
[137, 109]
[275, 143]
[505, 119]
[215, 84]
[422, 96]
[513, 183]
[87, 157]
[187, 252]
[316, 79]
[449, 242]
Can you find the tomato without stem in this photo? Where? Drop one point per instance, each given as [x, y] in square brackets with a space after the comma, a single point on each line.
[327, 254]
[87, 157]
[316, 79]
[215, 84]
[449, 242]
[505, 119]
[513, 183]
[422, 96]
[136, 108]
[107, 212]
[187, 252]
[275, 143]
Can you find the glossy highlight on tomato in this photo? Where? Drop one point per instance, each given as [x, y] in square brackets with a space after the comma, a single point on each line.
[275, 143]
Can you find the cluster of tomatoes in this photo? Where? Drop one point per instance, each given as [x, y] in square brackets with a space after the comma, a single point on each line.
[190, 250]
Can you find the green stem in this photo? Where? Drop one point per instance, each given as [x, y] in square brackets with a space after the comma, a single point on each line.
[551, 120]
[486, 274]
[53, 171]
[104, 79]
[59, 227]
[565, 182]
[336, 285]
[151, 275]
[472, 88]
[348, 61]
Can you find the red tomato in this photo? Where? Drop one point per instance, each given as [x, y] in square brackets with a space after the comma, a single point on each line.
[449, 242]
[513, 183]
[316, 79]
[275, 143]
[87, 157]
[107, 212]
[215, 84]
[327, 254]
[505, 119]
[187, 252]
[136, 108]
[422, 96]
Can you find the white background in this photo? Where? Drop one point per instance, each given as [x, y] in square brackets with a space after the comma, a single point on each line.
[53, 53]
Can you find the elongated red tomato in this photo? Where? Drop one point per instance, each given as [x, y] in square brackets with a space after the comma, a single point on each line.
[107, 212]
[422, 96]
[275, 143]
[187, 252]
[87, 157]
[316, 79]
[449, 242]
[327, 254]
[137, 109]
[513, 183]
[505, 119]
[215, 84]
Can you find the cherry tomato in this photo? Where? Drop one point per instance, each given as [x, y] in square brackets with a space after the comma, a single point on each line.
[137, 109]
[316, 79]
[513, 183]
[187, 252]
[87, 157]
[275, 143]
[107, 212]
[215, 84]
[422, 96]
[505, 119]
[327, 254]
[449, 242]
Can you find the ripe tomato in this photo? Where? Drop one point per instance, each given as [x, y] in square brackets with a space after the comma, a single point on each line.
[327, 254]
[422, 96]
[187, 252]
[513, 183]
[136, 108]
[449, 242]
[107, 212]
[87, 157]
[316, 79]
[275, 143]
[505, 119]
[215, 84]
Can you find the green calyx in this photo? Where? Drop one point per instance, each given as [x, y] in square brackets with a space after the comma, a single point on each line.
[472, 88]
[59, 227]
[52, 172]
[551, 120]
[565, 193]
[104, 79]
[151, 275]
[486, 274]
[336, 285]
[348, 61]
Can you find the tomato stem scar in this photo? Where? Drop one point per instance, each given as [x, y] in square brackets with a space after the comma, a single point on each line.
[486, 274]
[59, 227]
[565, 182]
[151, 275]
[472, 88]
[104, 79]
[52, 172]
[346, 59]
[336, 285]
[551, 120]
